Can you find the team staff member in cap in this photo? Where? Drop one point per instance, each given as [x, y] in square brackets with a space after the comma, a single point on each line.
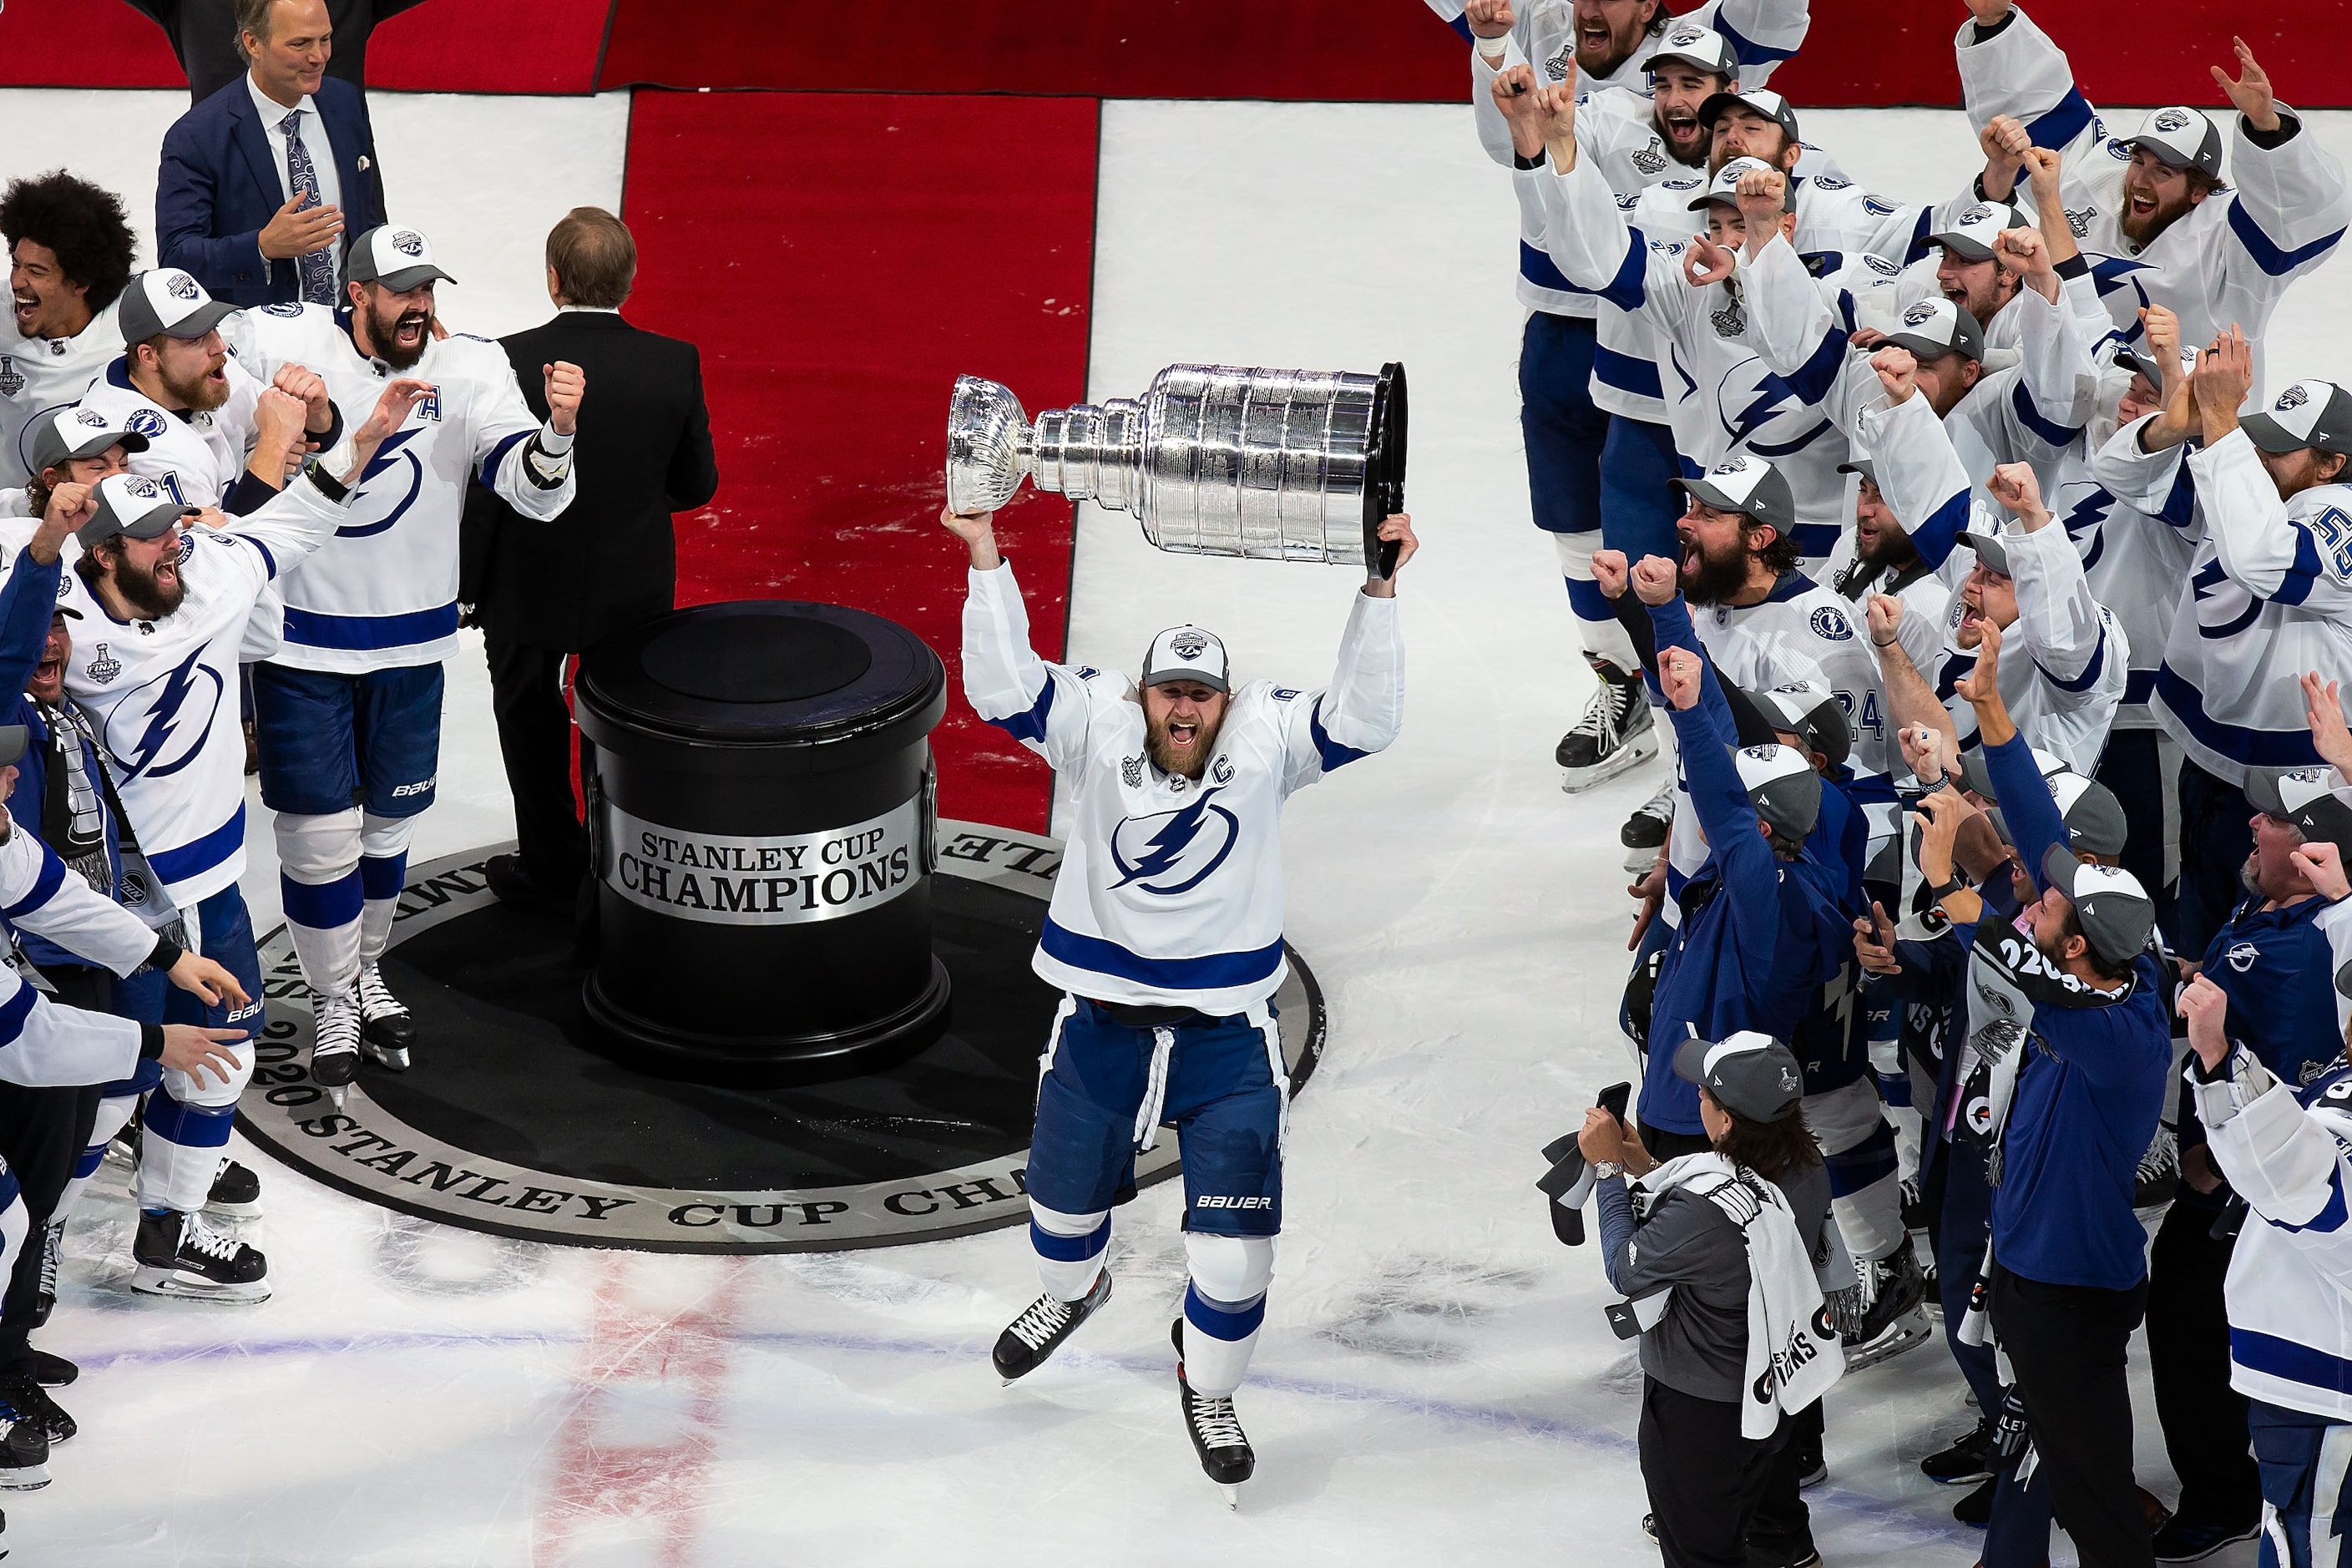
[2263, 605]
[1706, 1247]
[69, 255]
[80, 446]
[264, 182]
[158, 681]
[62, 798]
[1166, 933]
[177, 385]
[2275, 961]
[347, 712]
[2153, 204]
[1593, 477]
[2281, 1146]
[2068, 1276]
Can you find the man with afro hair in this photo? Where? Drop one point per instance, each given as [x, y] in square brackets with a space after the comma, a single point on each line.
[70, 250]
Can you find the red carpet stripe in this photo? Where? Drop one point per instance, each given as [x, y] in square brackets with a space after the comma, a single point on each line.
[840, 259]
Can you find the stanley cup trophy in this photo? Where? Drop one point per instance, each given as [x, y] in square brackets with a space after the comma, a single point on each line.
[1280, 465]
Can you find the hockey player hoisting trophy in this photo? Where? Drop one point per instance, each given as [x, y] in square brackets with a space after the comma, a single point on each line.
[1165, 931]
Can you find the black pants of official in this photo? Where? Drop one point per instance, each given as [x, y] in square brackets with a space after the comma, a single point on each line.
[2204, 1418]
[535, 739]
[1708, 1486]
[2067, 1345]
[2132, 767]
[42, 1133]
[2217, 834]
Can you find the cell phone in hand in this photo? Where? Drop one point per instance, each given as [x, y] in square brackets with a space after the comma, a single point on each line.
[1614, 1099]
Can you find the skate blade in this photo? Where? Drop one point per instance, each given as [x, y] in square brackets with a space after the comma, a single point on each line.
[1905, 1333]
[390, 1059]
[1640, 862]
[1233, 1495]
[153, 1281]
[337, 1093]
[233, 1211]
[1627, 757]
[27, 1478]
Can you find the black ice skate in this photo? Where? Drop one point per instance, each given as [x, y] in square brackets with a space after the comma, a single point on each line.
[235, 1195]
[23, 1393]
[1881, 1315]
[180, 1255]
[1615, 733]
[1041, 1327]
[1217, 1436]
[388, 1033]
[335, 1047]
[23, 1452]
[1644, 833]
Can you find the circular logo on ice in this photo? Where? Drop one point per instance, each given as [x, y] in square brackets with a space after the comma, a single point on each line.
[159, 726]
[1831, 626]
[1173, 852]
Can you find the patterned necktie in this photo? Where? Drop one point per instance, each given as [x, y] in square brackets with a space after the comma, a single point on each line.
[318, 269]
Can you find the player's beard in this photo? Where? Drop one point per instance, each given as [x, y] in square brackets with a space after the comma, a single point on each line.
[1719, 577]
[1163, 755]
[2141, 229]
[146, 593]
[384, 334]
[1889, 549]
[199, 395]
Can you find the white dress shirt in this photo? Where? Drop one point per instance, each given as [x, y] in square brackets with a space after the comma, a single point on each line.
[313, 132]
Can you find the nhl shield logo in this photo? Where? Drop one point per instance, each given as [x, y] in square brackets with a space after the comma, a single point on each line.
[409, 244]
[1188, 645]
[11, 382]
[180, 286]
[2293, 397]
[103, 668]
[2172, 119]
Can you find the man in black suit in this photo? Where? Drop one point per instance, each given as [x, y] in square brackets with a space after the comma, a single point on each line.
[263, 183]
[541, 594]
[203, 36]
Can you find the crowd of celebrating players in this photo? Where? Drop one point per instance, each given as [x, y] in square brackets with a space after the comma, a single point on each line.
[1967, 530]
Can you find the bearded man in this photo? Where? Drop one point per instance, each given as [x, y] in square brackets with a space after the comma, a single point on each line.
[1165, 931]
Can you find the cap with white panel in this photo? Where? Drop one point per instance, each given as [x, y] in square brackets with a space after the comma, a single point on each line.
[74, 433]
[1972, 234]
[1187, 653]
[165, 302]
[1748, 485]
[2315, 800]
[2180, 138]
[1782, 787]
[2093, 815]
[133, 505]
[398, 258]
[1695, 46]
[1811, 713]
[2114, 910]
[1725, 186]
[1931, 328]
[1749, 1072]
[1762, 100]
[2312, 413]
[1977, 778]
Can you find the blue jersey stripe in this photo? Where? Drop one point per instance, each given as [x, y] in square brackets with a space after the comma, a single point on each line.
[1030, 725]
[316, 628]
[2268, 253]
[1210, 972]
[2056, 127]
[195, 859]
[45, 885]
[2253, 748]
[1333, 754]
[1626, 373]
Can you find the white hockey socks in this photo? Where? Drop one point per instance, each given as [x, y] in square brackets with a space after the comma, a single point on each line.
[384, 869]
[1223, 1306]
[113, 1112]
[1596, 620]
[1858, 1145]
[187, 1126]
[318, 880]
[1069, 1248]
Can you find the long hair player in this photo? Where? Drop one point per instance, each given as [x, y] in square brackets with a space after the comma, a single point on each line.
[1165, 933]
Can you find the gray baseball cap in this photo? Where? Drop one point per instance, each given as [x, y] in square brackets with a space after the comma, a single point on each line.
[1762, 100]
[1976, 778]
[2312, 413]
[2182, 138]
[165, 300]
[1187, 653]
[1811, 713]
[1750, 1073]
[83, 432]
[14, 738]
[399, 259]
[1746, 484]
[1990, 553]
[1931, 328]
[1783, 788]
[1972, 233]
[133, 505]
[2306, 797]
[2114, 910]
[2093, 815]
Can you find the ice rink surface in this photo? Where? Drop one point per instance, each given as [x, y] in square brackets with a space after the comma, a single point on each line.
[1435, 1382]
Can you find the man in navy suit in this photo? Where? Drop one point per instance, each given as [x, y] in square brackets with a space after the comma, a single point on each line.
[262, 183]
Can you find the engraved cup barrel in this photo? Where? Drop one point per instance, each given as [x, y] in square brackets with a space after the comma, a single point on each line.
[1282, 465]
[762, 815]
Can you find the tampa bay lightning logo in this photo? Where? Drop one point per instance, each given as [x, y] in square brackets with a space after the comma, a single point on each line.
[2119, 152]
[1761, 413]
[1830, 626]
[145, 422]
[1881, 266]
[1684, 37]
[2293, 397]
[1173, 852]
[288, 309]
[1830, 182]
[180, 286]
[2172, 119]
[1976, 213]
[159, 727]
[409, 242]
[1188, 645]
[1920, 315]
[90, 416]
[387, 455]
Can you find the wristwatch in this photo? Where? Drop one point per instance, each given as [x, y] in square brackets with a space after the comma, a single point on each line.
[1604, 1169]
[1945, 889]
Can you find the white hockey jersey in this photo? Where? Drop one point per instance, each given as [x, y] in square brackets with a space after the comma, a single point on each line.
[1803, 631]
[383, 595]
[163, 695]
[43, 1044]
[2227, 260]
[2269, 597]
[40, 375]
[1762, 33]
[1171, 889]
[2290, 1283]
[2065, 660]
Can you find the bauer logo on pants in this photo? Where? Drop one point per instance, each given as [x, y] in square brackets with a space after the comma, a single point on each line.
[731, 880]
